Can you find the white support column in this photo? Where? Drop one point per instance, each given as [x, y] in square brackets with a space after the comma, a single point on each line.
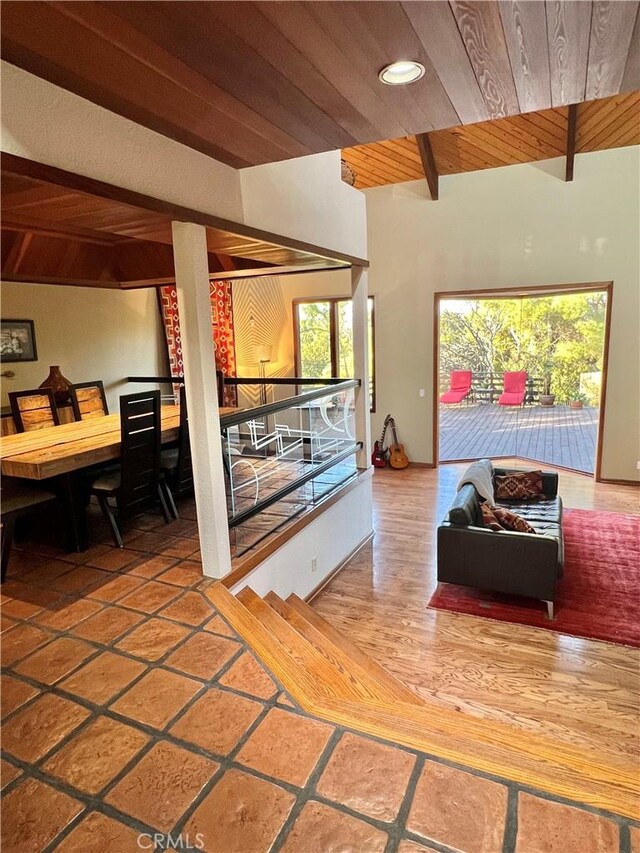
[194, 306]
[359, 296]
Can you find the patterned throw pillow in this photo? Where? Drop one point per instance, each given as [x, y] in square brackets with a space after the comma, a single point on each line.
[488, 517]
[511, 521]
[521, 486]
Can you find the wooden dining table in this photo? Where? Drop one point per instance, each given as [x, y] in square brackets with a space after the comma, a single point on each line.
[60, 454]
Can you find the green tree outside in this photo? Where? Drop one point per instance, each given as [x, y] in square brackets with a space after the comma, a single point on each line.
[557, 338]
[314, 324]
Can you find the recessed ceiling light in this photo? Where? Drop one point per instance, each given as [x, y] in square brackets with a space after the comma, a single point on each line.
[401, 73]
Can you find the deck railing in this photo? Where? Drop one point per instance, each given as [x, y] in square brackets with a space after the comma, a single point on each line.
[486, 387]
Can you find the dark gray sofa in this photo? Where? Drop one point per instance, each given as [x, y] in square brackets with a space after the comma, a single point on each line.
[525, 564]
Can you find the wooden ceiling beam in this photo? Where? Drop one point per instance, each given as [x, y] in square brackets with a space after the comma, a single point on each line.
[572, 126]
[227, 264]
[55, 280]
[428, 164]
[223, 235]
[609, 123]
[18, 251]
[51, 256]
[13, 221]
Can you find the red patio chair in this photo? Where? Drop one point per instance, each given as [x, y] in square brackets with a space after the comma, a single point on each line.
[514, 388]
[459, 386]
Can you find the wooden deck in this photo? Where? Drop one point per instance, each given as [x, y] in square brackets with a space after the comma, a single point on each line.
[558, 436]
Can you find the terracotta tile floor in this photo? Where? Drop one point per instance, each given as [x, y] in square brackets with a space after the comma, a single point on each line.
[130, 707]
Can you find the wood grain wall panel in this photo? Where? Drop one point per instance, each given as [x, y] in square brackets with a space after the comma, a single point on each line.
[436, 27]
[599, 116]
[220, 57]
[81, 61]
[454, 154]
[19, 243]
[392, 160]
[482, 32]
[612, 26]
[58, 258]
[603, 127]
[138, 260]
[250, 83]
[252, 131]
[266, 39]
[388, 24]
[525, 31]
[568, 26]
[514, 145]
[330, 37]
[538, 128]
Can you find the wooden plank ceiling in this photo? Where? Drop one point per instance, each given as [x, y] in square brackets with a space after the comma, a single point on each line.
[250, 83]
[609, 123]
[62, 228]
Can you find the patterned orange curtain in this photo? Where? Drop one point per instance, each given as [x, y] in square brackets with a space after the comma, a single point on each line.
[222, 331]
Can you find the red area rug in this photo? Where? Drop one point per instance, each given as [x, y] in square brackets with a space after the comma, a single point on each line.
[599, 595]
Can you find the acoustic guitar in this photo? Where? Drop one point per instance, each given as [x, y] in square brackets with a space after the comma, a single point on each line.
[379, 455]
[397, 457]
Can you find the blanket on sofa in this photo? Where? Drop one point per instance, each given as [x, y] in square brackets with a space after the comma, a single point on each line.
[480, 475]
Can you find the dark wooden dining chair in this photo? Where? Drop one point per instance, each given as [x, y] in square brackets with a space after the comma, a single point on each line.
[34, 409]
[136, 485]
[175, 462]
[18, 498]
[88, 400]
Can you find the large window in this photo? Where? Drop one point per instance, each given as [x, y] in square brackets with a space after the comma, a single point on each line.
[522, 376]
[324, 340]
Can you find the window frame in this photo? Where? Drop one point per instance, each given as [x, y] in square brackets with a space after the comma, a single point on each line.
[333, 336]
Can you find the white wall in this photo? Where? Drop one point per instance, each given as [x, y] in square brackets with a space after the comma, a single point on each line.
[306, 198]
[506, 227]
[269, 301]
[90, 334]
[331, 538]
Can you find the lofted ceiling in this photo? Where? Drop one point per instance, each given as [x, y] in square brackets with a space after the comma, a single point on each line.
[609, 123]
[250, 83]
[62, 228]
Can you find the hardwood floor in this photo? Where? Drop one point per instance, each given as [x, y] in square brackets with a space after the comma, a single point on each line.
[579, 691]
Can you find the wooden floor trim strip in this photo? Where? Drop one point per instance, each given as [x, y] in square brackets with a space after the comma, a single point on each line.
[332, 681]
[507, 752]
[497, 748]
[340, 660]
[400, 691]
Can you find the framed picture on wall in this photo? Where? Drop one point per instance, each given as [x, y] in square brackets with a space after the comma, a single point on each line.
[17, 341]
